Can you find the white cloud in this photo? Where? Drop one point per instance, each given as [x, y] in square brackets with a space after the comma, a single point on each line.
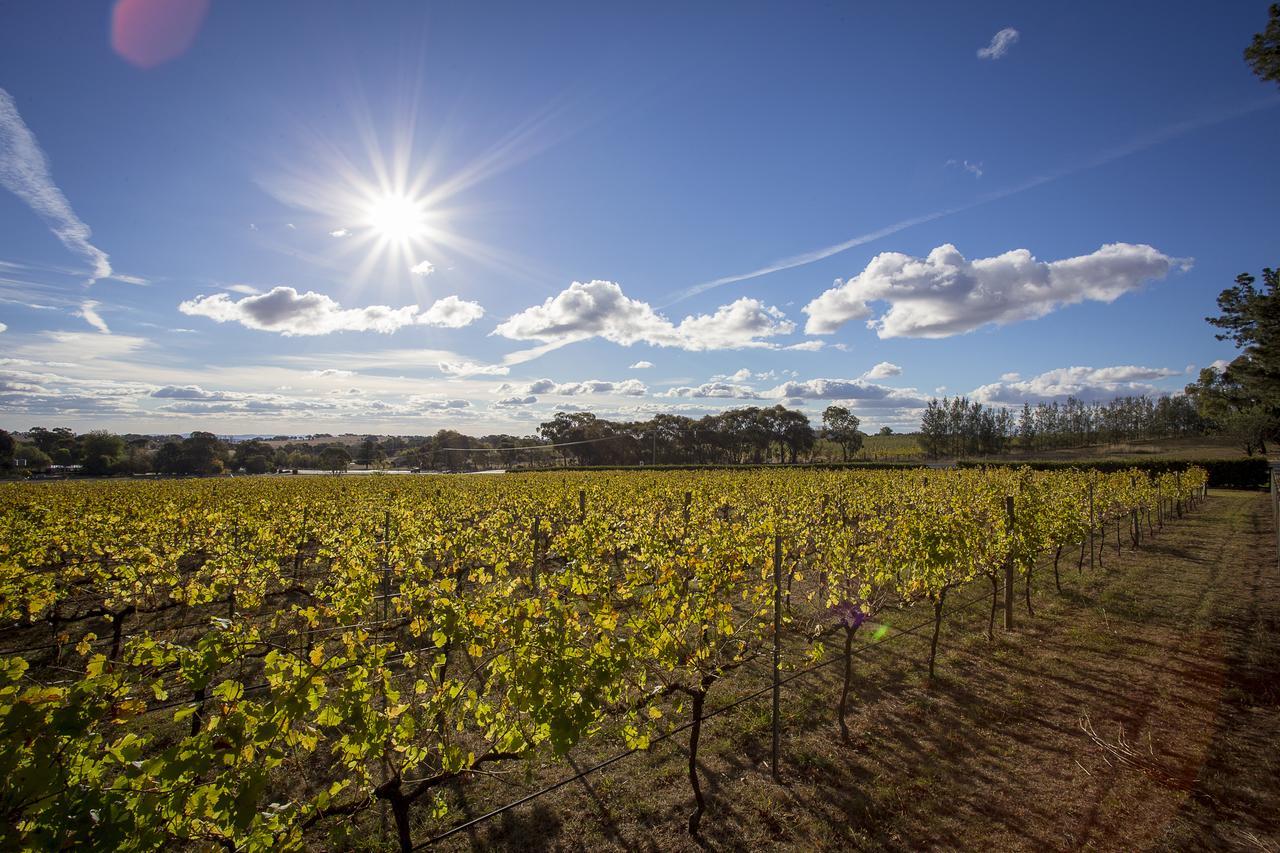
[334, 373]
[865, 394]
[715, 390]
[1000, 44]
[89, 313]
[471, 368]
[807, 346]
[642, 365]
[339, 232]
[883, 370]
[423, 268]
[247, 289]
[745, 375]
[974, 169]
[3, 327]
[945, 294]
[1010, 377]
[624, 388]
[513, 402]
[600, 308]
[191, 392]
[451, 313]
[288, 312]
[1085, 383]
[24, 171]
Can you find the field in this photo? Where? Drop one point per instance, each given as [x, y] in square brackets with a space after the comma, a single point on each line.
[281, 663]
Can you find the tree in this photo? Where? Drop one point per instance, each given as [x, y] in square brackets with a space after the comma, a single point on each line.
[1027, 428]
[1250, 384]
[254, 456]
[32, 458]
[885, 430]
[335, 458]
[842, 428]
[370, 453]
[1263, 53]
[203, 453]
[100, 452]
[7, 447]
[796, 433]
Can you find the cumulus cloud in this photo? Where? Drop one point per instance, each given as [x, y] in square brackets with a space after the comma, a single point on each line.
[601, 309]
[191, 392]
[642, 365]
[1000, 44]
[715, 390]
[423, 268]
[883, 370]
[3, 327]
[24, 171]
[515, 402]
[451, 313]
[285, 310]
[945, 294]
[624, 388]
[89, 313]
[864, 393]
[471, 368]
[1084, 383]
[339, 232]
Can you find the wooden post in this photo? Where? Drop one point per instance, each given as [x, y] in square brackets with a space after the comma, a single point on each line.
[1091, 526]
[777, 647]
[1133, 515]
[386, 566]
[1275, 512]
[582, 505]
[533, 563]
[1008, 565]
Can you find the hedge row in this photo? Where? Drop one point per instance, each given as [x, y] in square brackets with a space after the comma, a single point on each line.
[1247, 473]
[713, 466]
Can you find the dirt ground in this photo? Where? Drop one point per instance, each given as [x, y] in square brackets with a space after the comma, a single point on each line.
[1138, 709]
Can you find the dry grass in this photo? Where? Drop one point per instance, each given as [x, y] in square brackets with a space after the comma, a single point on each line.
[1140, 709]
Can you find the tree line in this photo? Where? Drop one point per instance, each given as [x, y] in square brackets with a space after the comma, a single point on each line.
[958, 426]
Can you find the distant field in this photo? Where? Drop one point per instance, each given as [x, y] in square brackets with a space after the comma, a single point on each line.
[889, 448]
[1198, 447]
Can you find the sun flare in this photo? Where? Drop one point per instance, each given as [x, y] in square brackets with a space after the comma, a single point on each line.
[397, 218]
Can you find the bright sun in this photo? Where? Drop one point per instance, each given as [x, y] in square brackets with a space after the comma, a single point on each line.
[397, 218]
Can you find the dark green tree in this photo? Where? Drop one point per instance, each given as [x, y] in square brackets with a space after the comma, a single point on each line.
[335, 458]
[254, 456]
[1244, 398]
[841, 426]
[7, 446]
[1263, 53]
[101, 452]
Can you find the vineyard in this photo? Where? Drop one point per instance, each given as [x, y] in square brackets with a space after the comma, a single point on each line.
[323, 663]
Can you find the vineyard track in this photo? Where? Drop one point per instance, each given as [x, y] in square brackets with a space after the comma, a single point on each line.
[1139, 710]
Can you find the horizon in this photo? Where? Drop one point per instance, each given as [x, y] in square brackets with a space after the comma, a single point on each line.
[261, 221]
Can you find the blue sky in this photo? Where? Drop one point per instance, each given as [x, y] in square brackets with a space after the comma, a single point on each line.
[218, 227]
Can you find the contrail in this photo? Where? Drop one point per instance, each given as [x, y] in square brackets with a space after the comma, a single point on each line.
[1134, 146]
[24, 171]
